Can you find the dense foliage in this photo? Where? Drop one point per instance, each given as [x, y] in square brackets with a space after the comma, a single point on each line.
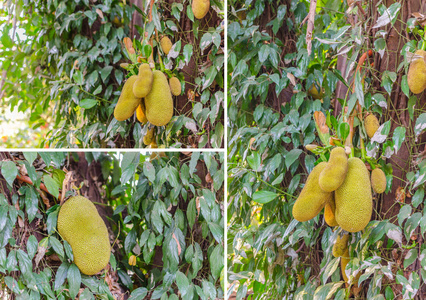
[60, 65]
[271, 109]
[164, 215]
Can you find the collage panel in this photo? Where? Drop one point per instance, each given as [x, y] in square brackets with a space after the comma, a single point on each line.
[112, 74]
[326, 124]
[111, 225]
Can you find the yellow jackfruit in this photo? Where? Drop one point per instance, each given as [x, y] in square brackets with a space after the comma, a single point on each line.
[416, 77]
[312, 199]
[140, 113]
[371, 125]
[344, 260]
[153, 144]
[200, 8]
[127, 103]
[175, 86]
[143, 84]
[80, 224]
[166, 44]
[334, 173]
[329, 211]
[314, 93]
[378, 180]
[147, 139]
[132, 260]
[340, 245]
[159, 102]
[354, 202]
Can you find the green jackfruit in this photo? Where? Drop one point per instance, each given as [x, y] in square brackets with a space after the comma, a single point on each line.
[80, 224]
[334, 173]
[371, 125]
[200, 8]
[175, 86]
[329, 211]
[314, 93]
[166, 44]
[147, 139]
[378, 181]
[159, 102]
[127, 103]
[354, 202]
[143, 84]
[416, 77]
[312, 199]
[140, 113]
[340, 245]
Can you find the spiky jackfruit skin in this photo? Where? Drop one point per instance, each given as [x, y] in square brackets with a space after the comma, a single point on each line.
[416, 76]
[354, 202]
[140, 114]
[127, 103]
[159, 102]
[329, 211]
[334, 173]
[80, 224]
[371, 125]
[340, 245]
[378, 180]
[311, 199]
[200, 8]
[166, 44]
[143, 84]
[175, 86]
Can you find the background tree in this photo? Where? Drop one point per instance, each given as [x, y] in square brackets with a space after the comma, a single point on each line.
[273, 65]
[60, 66]
[164, 216]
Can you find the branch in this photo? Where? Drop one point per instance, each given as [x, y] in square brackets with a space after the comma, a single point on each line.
[310, 29]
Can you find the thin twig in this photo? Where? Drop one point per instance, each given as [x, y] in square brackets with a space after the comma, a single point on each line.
[310, 29]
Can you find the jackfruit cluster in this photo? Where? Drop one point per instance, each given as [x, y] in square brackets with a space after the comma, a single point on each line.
[378, 180]
[149, 94]
[80, 224]
[200, 8]
[371, 125]
[416, 77]
[342, 187]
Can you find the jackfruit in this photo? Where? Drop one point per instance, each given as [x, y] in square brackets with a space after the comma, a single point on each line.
[175, 86]
[311, 199]
[200, 8]
[153, 144]
[80, 224]
[340, 245]
[378, 181]
[344, 260]
[314, 93]
[127, 103]
[416, 77]
[147, 139]
[166, 44]
[329, 211]
[140, 113]
[159, 102]
[334, 173]
[143, 84]
[354, 202]
[371, 125]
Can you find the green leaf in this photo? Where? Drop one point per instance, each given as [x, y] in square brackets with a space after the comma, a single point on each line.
[292, 156]
[51, 185]
[216, 261]
[25, 264]
[32, 246]
[57, 246]
[264, 196]
[61, 275]
[138, 294]
[74, 280]
[88, 103]
[30, 156]
[9, 171]
[128, 166]
[182, 282]
[149, 171]
[191, 212]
